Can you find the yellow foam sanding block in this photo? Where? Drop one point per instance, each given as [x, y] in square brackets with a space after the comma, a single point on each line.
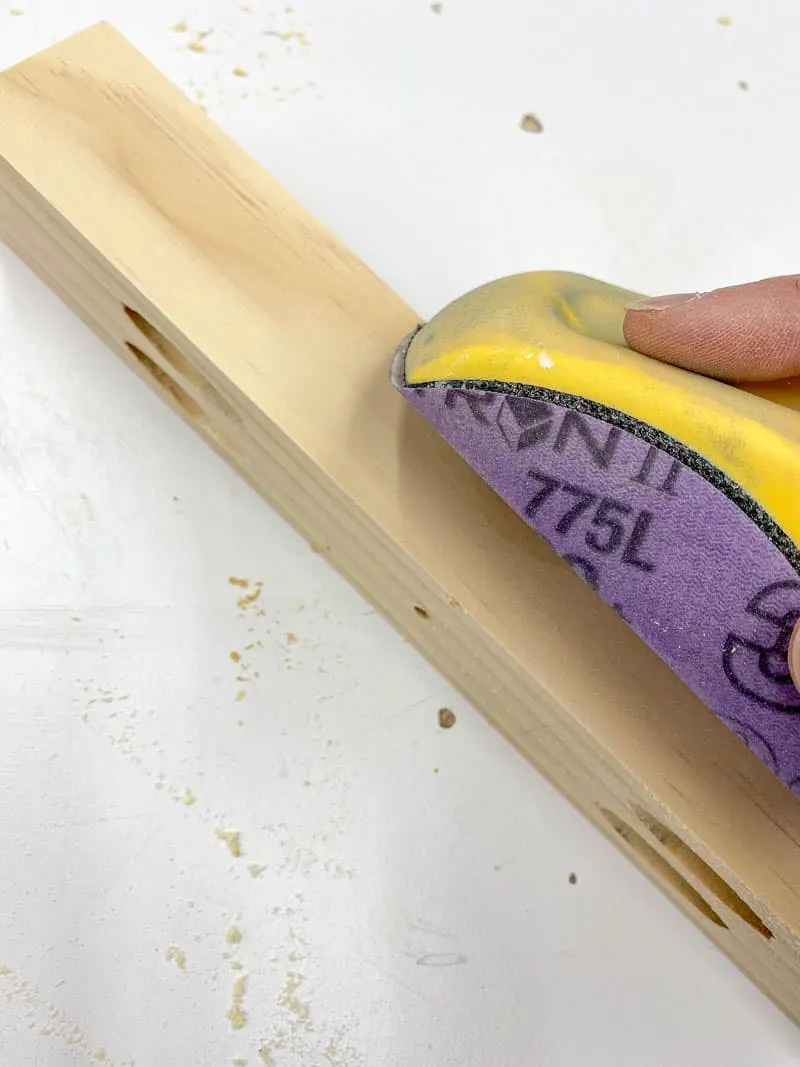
[675, 496]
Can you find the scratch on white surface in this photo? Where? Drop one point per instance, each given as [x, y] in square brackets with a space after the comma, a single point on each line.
[441, 959]
[46, 1019]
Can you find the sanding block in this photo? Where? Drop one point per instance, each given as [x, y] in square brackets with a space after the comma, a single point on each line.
[676, 497]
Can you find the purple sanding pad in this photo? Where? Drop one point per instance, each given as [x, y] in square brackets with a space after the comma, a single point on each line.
[683, 564]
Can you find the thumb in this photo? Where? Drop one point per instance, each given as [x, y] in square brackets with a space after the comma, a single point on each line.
[746, 333]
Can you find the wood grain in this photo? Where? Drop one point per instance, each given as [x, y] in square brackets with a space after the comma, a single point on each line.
[263, 331]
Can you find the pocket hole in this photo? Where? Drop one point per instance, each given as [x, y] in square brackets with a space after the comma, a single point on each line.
[173, 356]
[704, 873]
[661, 868]
[187, 403]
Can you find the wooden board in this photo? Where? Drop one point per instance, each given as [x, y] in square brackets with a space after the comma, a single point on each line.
[275, 342]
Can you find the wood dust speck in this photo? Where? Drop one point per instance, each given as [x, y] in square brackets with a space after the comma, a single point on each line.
[196, 46]
[16, 11]
[265, 1054]
[724, 20]
[447, 718]
[436, 9]
[289, 999]
[240, 1063]
[256, 869]
[100, 1055]
[235, 656]
[180, 27]
[531, 124]
[177, 956]
[233, 935]
[743, 85]
[248, 599]
[233, 839]
[573, 878]
[186, 798]
[291, 638]
[241, 694]
[236, 1014]
[239, 72]
[242, 583]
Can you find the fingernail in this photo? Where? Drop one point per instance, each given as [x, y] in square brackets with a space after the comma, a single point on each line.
[661, 303]
[794, 656]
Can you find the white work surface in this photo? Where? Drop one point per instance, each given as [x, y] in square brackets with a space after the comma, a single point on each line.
[403, 894]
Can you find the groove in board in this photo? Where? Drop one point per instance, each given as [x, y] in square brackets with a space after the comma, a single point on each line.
[276, 346]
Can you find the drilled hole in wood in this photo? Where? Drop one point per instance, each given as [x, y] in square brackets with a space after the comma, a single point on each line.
[703, 872]
[173, 356]
[187, 403]
[663, 870]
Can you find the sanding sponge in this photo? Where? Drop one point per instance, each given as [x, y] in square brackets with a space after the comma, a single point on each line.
[675, 496]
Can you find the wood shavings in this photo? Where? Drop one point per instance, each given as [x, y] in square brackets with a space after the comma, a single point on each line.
[724, 20]
[177, 956]
[239, 72]
[236, 1014]
[180, 27]
[242, 583]
[233, 935]
[234, 656]
[187, 797]
[531, 124]
[233, 839]
[240, 695]
[196, 46]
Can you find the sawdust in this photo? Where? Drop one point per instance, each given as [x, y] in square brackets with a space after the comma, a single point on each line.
[233, 839]
[16, 11]
[743, 85]
[235, 656]
[177, 956]
[187, 797]
[724, 20]
[289, 999]
[573, 878]
[240, 72]
[46, 1019]
[236, 1014]
[248, 599]
[436, 9]
[240, 1063]
[531, 124]
[242, 583]
[234, 935]
[256, 869]
[291, 638]
[447, 718]
[240, 694]
[196, 46]
[180, 26]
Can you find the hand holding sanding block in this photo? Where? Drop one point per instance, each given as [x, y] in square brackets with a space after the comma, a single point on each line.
[676, 497]
[274, 341]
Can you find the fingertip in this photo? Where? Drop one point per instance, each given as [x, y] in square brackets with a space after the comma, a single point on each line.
[794, 656]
